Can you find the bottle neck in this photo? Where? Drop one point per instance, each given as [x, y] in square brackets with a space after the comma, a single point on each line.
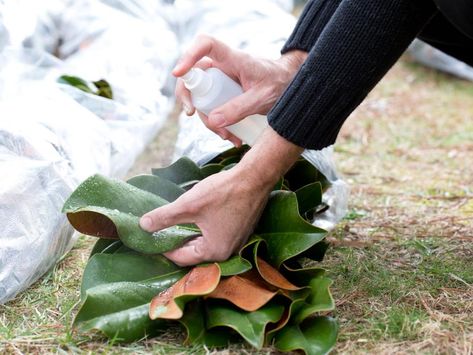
[197, 81]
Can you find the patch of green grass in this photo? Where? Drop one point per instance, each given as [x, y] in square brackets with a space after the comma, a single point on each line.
[378, 287]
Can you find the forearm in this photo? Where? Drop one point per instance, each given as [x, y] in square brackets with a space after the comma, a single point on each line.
[311, 22]
[363, 39]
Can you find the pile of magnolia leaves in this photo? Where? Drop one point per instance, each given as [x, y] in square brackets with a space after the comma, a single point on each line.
[270, 293]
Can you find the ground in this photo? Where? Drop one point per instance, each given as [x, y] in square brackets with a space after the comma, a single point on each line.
[401, 260]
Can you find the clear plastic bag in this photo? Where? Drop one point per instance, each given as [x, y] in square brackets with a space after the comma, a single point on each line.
[52, 136]
[436, 59]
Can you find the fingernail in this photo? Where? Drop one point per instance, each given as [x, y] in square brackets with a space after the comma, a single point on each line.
[218, 120]
[178, 66]
[146, 223]
[187, 109]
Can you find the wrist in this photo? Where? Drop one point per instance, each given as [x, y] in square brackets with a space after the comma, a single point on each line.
[268, 159]
[293, 60]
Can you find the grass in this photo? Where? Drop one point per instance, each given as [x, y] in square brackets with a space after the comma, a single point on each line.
[401, 259]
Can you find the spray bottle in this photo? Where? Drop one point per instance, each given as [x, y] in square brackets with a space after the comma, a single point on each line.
[212, 88]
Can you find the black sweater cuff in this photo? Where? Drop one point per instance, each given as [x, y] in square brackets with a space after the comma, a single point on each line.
[311, 23]
[359, 44]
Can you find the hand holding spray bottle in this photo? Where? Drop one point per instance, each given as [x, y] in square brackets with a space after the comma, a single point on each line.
[212, 88]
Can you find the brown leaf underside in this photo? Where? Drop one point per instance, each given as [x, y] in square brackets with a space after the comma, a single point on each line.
[201, 280]
[93, 223]
[247, 291]
[273, 276]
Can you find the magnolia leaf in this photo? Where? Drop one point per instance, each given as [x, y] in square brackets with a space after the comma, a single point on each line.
[232, 152]
[211, 169]
[109, 208]
[318, 299]
[107, 268]
[230, 160]
[126, 326]
[181, 171]
[76, 82]
[247, 291]
[273, 276]
[282, 215]
[250, 325]
[194, 322]
[284, 231]
[105, 246]
[315, 336]
[301, 275]
[158, 186]
[99, 88]
[117, 309]
[309, 197]
[234, 266]
[303, 173]
[103, 89]
[200, 281]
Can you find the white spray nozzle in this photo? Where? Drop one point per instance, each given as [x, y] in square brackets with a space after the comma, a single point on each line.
[197, 81]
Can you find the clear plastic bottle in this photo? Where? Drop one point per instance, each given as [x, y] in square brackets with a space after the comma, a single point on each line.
[212, 88]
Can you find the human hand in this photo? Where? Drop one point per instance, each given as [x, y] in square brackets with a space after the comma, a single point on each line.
[226, 206]
[263, 81]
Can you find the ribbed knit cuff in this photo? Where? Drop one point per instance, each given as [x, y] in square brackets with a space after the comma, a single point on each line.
[359, 44]
[312, 21]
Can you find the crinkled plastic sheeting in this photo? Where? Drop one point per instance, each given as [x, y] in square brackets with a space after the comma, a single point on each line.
[52, 136]
[240, 25]
[436, 59]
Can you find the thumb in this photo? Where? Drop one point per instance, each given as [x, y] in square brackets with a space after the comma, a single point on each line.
[235, 110]
[166, 216]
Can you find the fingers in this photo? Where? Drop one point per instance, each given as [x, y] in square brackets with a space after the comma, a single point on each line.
[189, 254]
[197, 251]
[204, 46]
[222, 132]
[183, 95]
[166, 216]
[235, 110]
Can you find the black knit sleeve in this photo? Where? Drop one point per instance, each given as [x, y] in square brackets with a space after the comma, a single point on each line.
[357, 46]
[311, 22]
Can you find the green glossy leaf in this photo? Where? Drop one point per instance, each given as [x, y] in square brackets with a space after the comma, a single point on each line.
[234, 266]
[103, 89]
[250, 325]
[316, 252]
[105, 246]
[284, 231]
[158, 186]
[120, 309]
[309, 197]
[182, 170]
[232, 152]
[108, 268]
[211, 169]
[76, 82]
[282, 215]
[110, 208]
[230, 160]
[126, 326]
[301, 275]
[303, 173]
[195, 323]
[318, 299]
[316, 336]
